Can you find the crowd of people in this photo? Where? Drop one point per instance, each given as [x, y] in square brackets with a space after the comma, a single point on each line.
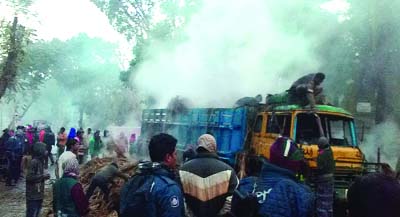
[203, 185]
[28, 152]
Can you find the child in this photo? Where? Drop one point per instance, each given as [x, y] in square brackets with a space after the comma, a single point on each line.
[35, 180]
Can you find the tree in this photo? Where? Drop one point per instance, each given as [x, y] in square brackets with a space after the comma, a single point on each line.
[13, 46]
[136, 19]
[13, 40]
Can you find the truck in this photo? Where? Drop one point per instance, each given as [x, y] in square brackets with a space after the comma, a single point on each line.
[253, 129]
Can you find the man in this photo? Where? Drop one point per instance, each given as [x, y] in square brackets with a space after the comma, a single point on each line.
[61, 141]
[49, 140]
[206, 180]
[95, 145]
[278, 191]
[305, 90]
[72, 151]
[249, 101]
[68, 196]
[14, 152]
[325, 170]
[121, 144]
[82, 148]
[102, 178]
[35, 180]
[155, 180]
[85, 144]
[375, 194]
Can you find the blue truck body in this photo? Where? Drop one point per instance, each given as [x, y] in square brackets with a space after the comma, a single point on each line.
[228, 125]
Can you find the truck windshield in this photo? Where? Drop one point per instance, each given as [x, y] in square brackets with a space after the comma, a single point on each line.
[339, 130]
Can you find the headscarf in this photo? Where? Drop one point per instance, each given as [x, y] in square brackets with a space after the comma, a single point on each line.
[72, 133]
[71, 167]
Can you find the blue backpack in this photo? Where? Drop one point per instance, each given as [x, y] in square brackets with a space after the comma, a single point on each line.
[136, 196]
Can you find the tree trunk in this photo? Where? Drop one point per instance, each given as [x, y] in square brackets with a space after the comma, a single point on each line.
[10, 67]
[81, 117]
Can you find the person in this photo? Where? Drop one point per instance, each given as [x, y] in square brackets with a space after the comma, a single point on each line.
[61, 141]
[306, 89]
[95, 145]
[206, 180]
[85, 144]
[29, 134]
[88, 135]
[70, 153]
[109, 143]
[68, 196]
[35, 180]
[3, 139]
[189, 153]
[248, 101]
[82, 148]
[42, 132]
[158, 183]
[14, 152]
[397, 169]
[132, 147]
[121, 146]
[103, 177]
[278, 191]
[72, 133]
[375, 194]
[49, 139]
[248, 202]
[324, 181]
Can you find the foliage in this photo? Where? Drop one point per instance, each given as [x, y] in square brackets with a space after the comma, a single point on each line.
[14, 40]
[362, 53]
[86, 69]
[147, 21]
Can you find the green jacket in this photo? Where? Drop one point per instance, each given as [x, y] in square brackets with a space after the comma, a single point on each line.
[62, 199]
[95, 146]
[325, 161]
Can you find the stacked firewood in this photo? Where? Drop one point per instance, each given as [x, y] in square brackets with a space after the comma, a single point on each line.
[97, 205]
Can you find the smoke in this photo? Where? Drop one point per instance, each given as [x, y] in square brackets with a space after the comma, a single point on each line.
[386, 137]
[230, 50]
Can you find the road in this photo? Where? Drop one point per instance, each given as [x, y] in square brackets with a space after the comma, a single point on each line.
[12, 198]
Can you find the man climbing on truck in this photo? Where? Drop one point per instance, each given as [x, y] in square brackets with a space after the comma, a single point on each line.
[306, 90]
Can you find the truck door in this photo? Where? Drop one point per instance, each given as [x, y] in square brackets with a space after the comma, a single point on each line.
[258, 133]
[274, 124]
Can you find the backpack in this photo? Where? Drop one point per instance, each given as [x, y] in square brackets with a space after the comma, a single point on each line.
[49, 138]
[136, 196]
[246, 204]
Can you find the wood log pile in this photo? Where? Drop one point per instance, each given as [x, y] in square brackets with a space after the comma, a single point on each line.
[97, 205]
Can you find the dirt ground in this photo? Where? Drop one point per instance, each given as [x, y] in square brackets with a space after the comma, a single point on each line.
[12, 198]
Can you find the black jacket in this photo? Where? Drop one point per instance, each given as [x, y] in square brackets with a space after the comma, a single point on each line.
[206, 182]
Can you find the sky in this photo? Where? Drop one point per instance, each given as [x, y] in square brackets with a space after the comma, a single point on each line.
[63, 19]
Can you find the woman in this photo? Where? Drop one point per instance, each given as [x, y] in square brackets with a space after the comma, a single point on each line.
[68, 196]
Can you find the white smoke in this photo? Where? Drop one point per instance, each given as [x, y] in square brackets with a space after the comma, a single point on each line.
[231, 50]
[385, 136]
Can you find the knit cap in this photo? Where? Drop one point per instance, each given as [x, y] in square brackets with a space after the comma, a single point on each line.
[284, 153]
[207, 142]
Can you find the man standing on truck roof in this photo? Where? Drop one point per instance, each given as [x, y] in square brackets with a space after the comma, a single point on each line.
[306, 89]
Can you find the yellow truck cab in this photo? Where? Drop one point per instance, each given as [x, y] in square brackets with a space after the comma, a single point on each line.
[305, 126]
